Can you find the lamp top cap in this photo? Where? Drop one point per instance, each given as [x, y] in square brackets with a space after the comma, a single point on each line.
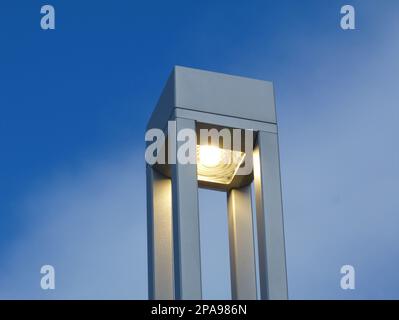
[216, 93]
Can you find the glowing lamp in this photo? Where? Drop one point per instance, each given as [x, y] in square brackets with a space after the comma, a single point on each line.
[194, 100]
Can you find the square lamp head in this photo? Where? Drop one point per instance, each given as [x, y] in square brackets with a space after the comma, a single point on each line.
[217, 165]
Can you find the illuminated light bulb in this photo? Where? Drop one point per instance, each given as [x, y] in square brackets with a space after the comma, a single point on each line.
[217, 165]
[210, 156]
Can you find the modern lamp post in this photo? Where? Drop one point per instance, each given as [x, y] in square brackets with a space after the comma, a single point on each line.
[196, 99]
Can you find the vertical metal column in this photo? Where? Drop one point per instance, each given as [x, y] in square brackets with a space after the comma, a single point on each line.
[269, 213]
[241, 241]
[159, 236]
[186, 236]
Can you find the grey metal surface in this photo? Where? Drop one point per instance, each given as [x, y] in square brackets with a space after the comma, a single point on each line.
[165, 105]
[195, 97]
[269, 214]
[160, 237]
[225, 121]
[224, 94]
[187, 254]
[241, 243]
[214, 93]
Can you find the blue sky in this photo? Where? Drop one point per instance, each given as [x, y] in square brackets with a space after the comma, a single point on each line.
[75, 101]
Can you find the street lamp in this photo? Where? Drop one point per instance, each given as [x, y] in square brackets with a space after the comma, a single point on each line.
[241, 108]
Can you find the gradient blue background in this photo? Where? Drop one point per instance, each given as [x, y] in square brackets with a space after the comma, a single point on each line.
[74, 103]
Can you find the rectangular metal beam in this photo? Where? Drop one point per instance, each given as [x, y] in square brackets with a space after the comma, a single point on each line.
[186, 236]
[159, 236]
[241, 240]
[269, 213]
